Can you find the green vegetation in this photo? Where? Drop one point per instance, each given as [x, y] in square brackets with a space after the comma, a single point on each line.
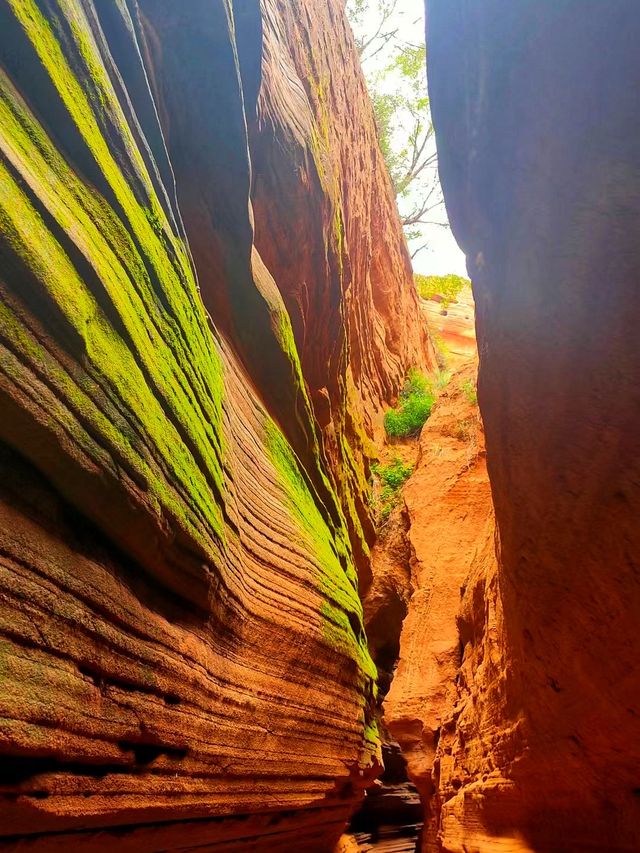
[441, 379]
[343, 626]
[395, 71]
[395, 474]
[414, 407]
[470, 392]
[392, 477]
[163, 358]
[446, 287]
[442, 351]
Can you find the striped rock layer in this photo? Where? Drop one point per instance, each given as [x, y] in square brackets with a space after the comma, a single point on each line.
[188, 389]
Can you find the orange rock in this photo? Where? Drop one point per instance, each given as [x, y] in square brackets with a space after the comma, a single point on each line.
[347, 844]
[451, 535]
[327, 227]
[182, 655]
[454, 325]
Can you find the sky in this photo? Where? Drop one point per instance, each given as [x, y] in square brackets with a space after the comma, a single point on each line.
[443, 255]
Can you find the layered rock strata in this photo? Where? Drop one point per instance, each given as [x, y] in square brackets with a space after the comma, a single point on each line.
[537, 122]
[453, 326]
[326, 220]
[183, 662]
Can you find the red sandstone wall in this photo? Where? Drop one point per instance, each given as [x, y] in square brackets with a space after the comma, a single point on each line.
[327, 227]
[537, 122]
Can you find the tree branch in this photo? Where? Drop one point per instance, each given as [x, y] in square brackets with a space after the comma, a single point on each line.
[419, 249]
[387, 11]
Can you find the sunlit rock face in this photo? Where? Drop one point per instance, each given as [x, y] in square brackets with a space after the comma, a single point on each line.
[453, 327]
[326, 224]
[182, 658]
[449, 646]
[538, 124]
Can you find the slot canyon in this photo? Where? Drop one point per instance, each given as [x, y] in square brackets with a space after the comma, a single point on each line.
[218, 630]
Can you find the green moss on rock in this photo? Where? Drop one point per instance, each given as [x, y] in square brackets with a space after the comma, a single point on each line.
[342, 627]
[160, 360]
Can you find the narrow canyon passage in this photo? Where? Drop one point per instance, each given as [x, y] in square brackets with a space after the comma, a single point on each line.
[433, 564]
[294, 555]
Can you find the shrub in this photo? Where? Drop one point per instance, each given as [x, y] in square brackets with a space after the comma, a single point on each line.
[470, 392]
[392, 476]
[413, 409]
[446, 287]
[395, 474]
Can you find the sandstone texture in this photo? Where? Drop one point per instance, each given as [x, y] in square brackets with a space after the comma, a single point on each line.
[446, 655]
[454, 326]
[326, 220]
[182, 656]
[538, 123]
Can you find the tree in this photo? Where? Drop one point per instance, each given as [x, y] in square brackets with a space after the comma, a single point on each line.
[395, 70]
[446, 288]
[370, 41]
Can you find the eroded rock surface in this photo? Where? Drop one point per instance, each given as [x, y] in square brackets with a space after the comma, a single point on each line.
[326, 220]
[446, 652]
[538, 128]
[182, 656]
[454, 326]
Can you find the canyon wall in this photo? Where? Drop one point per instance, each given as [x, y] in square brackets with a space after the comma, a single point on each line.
[326, 220]
[187, 393]
[449, 646]
[453, 327]
[537, 116]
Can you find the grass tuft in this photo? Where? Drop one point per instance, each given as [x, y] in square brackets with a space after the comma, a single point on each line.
[470, 391]
[392, 476]
[414, 407]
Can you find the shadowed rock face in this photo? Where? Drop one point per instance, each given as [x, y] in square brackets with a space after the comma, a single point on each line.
[538, 122]
[182, 657]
